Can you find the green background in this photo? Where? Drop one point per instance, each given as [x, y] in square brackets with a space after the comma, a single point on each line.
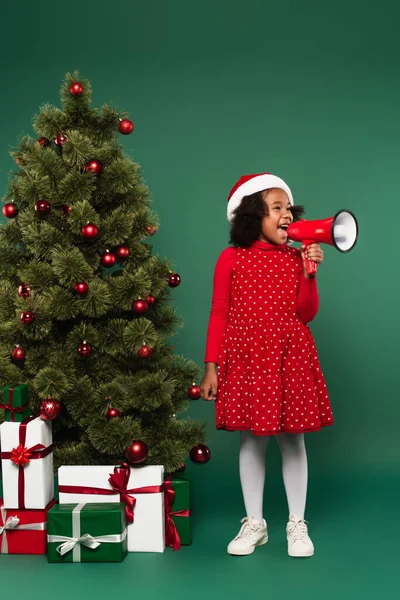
[308, 90]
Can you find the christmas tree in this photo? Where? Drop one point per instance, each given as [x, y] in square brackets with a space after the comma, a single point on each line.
[85, 307]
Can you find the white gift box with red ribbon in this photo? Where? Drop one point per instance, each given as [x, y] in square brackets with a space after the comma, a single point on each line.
[27, 463]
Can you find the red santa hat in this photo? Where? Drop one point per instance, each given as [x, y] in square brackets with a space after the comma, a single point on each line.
[250, 184]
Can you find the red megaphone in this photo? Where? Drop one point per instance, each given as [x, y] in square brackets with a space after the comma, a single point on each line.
[340, 231]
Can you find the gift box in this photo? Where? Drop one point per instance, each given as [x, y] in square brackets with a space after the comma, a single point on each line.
[93, 532]
[140, 489]
[27, 463]
[23, 531]
[177, 512]
[16, 403]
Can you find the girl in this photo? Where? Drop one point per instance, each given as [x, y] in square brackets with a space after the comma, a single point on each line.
[269, 379]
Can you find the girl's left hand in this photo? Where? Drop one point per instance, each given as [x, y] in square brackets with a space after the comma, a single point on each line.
[314, 252]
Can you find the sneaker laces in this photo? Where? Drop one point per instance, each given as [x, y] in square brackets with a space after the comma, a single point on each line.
[249, 526]
[298, 531]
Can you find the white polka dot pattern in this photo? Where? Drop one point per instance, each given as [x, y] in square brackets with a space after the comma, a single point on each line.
[269, 376]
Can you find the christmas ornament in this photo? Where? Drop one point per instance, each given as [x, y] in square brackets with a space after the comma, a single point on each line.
[42, 207]
[200, 454]
[21, 455]
[125, 126]
[137, 452]
[150, 300]
[89, 231]
[10, 211]
[44, 142]
[140, 306]
[23, 290]
[112, 413]
[145, 351]
[181, 469]
[76, 88]
[194, 392]
[18, 353]
[49, 409]
[81, 288]
[151, 230]
[108, 259]
[123, 252]
[174, 280]
[85, 349]
[18, 161]
[27, 317]
[59, 140]
[66, 210]
[94, 166]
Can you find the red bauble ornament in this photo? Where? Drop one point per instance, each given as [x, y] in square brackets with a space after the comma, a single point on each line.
[151, 230]
[145, 351]
[174, 280]
[200, 454]
[81, 288]
[94, 166]
[194, 392]
[150, 300]
[59, 140]
[108, 259]
[140, 306]
[85, 349]
[181, 469]
[18, 353]
[23, 290]
[125, 126]
[27, 317]
[76, 88]
[18, 161]
[137, 452]
[44, 142]
[10, 210]
[49, 409]
[66, 210]
[89, 231]
[112, 413]
[123, 252]
[42, 207]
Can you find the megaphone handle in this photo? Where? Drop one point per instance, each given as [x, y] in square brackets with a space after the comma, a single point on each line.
[311, 266]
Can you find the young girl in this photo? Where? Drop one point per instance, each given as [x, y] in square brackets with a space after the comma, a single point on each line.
[269, 379]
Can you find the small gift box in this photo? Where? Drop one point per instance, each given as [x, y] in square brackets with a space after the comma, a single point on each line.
[140, 489]
[16, 403]
[87, 533]
[23, 531]
[27, 463]
[177, 512]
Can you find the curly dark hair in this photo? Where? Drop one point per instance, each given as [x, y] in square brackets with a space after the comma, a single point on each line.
[246, 224]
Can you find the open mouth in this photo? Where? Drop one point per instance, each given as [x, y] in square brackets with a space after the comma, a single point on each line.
[283, 227]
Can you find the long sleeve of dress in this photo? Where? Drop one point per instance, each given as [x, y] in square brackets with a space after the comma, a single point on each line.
[221, 302]
[307, 298]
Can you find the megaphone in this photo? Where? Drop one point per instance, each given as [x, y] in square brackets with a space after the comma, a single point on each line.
[340, 231]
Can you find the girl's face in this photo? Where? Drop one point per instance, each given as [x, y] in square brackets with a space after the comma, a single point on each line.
[277, 218]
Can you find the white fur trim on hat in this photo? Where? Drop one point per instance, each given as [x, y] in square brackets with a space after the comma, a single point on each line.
[258, 183]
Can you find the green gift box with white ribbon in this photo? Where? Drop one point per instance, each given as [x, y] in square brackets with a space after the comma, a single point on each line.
[92, 532]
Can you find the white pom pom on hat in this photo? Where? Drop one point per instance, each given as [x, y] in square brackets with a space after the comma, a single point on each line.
[250, 184]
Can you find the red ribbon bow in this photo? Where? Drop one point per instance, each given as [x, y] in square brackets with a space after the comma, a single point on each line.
[10, 407]
[119, 482]
[21, 456]
[172, 538]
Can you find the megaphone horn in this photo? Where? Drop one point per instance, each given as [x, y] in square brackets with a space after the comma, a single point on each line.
[340, 231]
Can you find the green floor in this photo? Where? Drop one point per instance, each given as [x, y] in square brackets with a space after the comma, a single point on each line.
[354, 526]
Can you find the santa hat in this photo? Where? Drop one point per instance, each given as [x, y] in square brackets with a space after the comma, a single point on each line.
[250, 184]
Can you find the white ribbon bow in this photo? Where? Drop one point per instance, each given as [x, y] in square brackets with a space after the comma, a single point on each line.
[11, 523]
[70, 543]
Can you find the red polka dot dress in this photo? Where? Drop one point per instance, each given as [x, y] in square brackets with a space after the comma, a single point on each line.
[269, 376]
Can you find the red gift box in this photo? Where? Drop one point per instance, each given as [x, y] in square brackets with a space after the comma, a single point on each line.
[23, 531]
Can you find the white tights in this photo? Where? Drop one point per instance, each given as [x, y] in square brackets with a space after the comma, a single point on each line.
[252, 472]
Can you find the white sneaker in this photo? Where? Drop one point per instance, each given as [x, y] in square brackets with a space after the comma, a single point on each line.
[252, 534]
[299, 542]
